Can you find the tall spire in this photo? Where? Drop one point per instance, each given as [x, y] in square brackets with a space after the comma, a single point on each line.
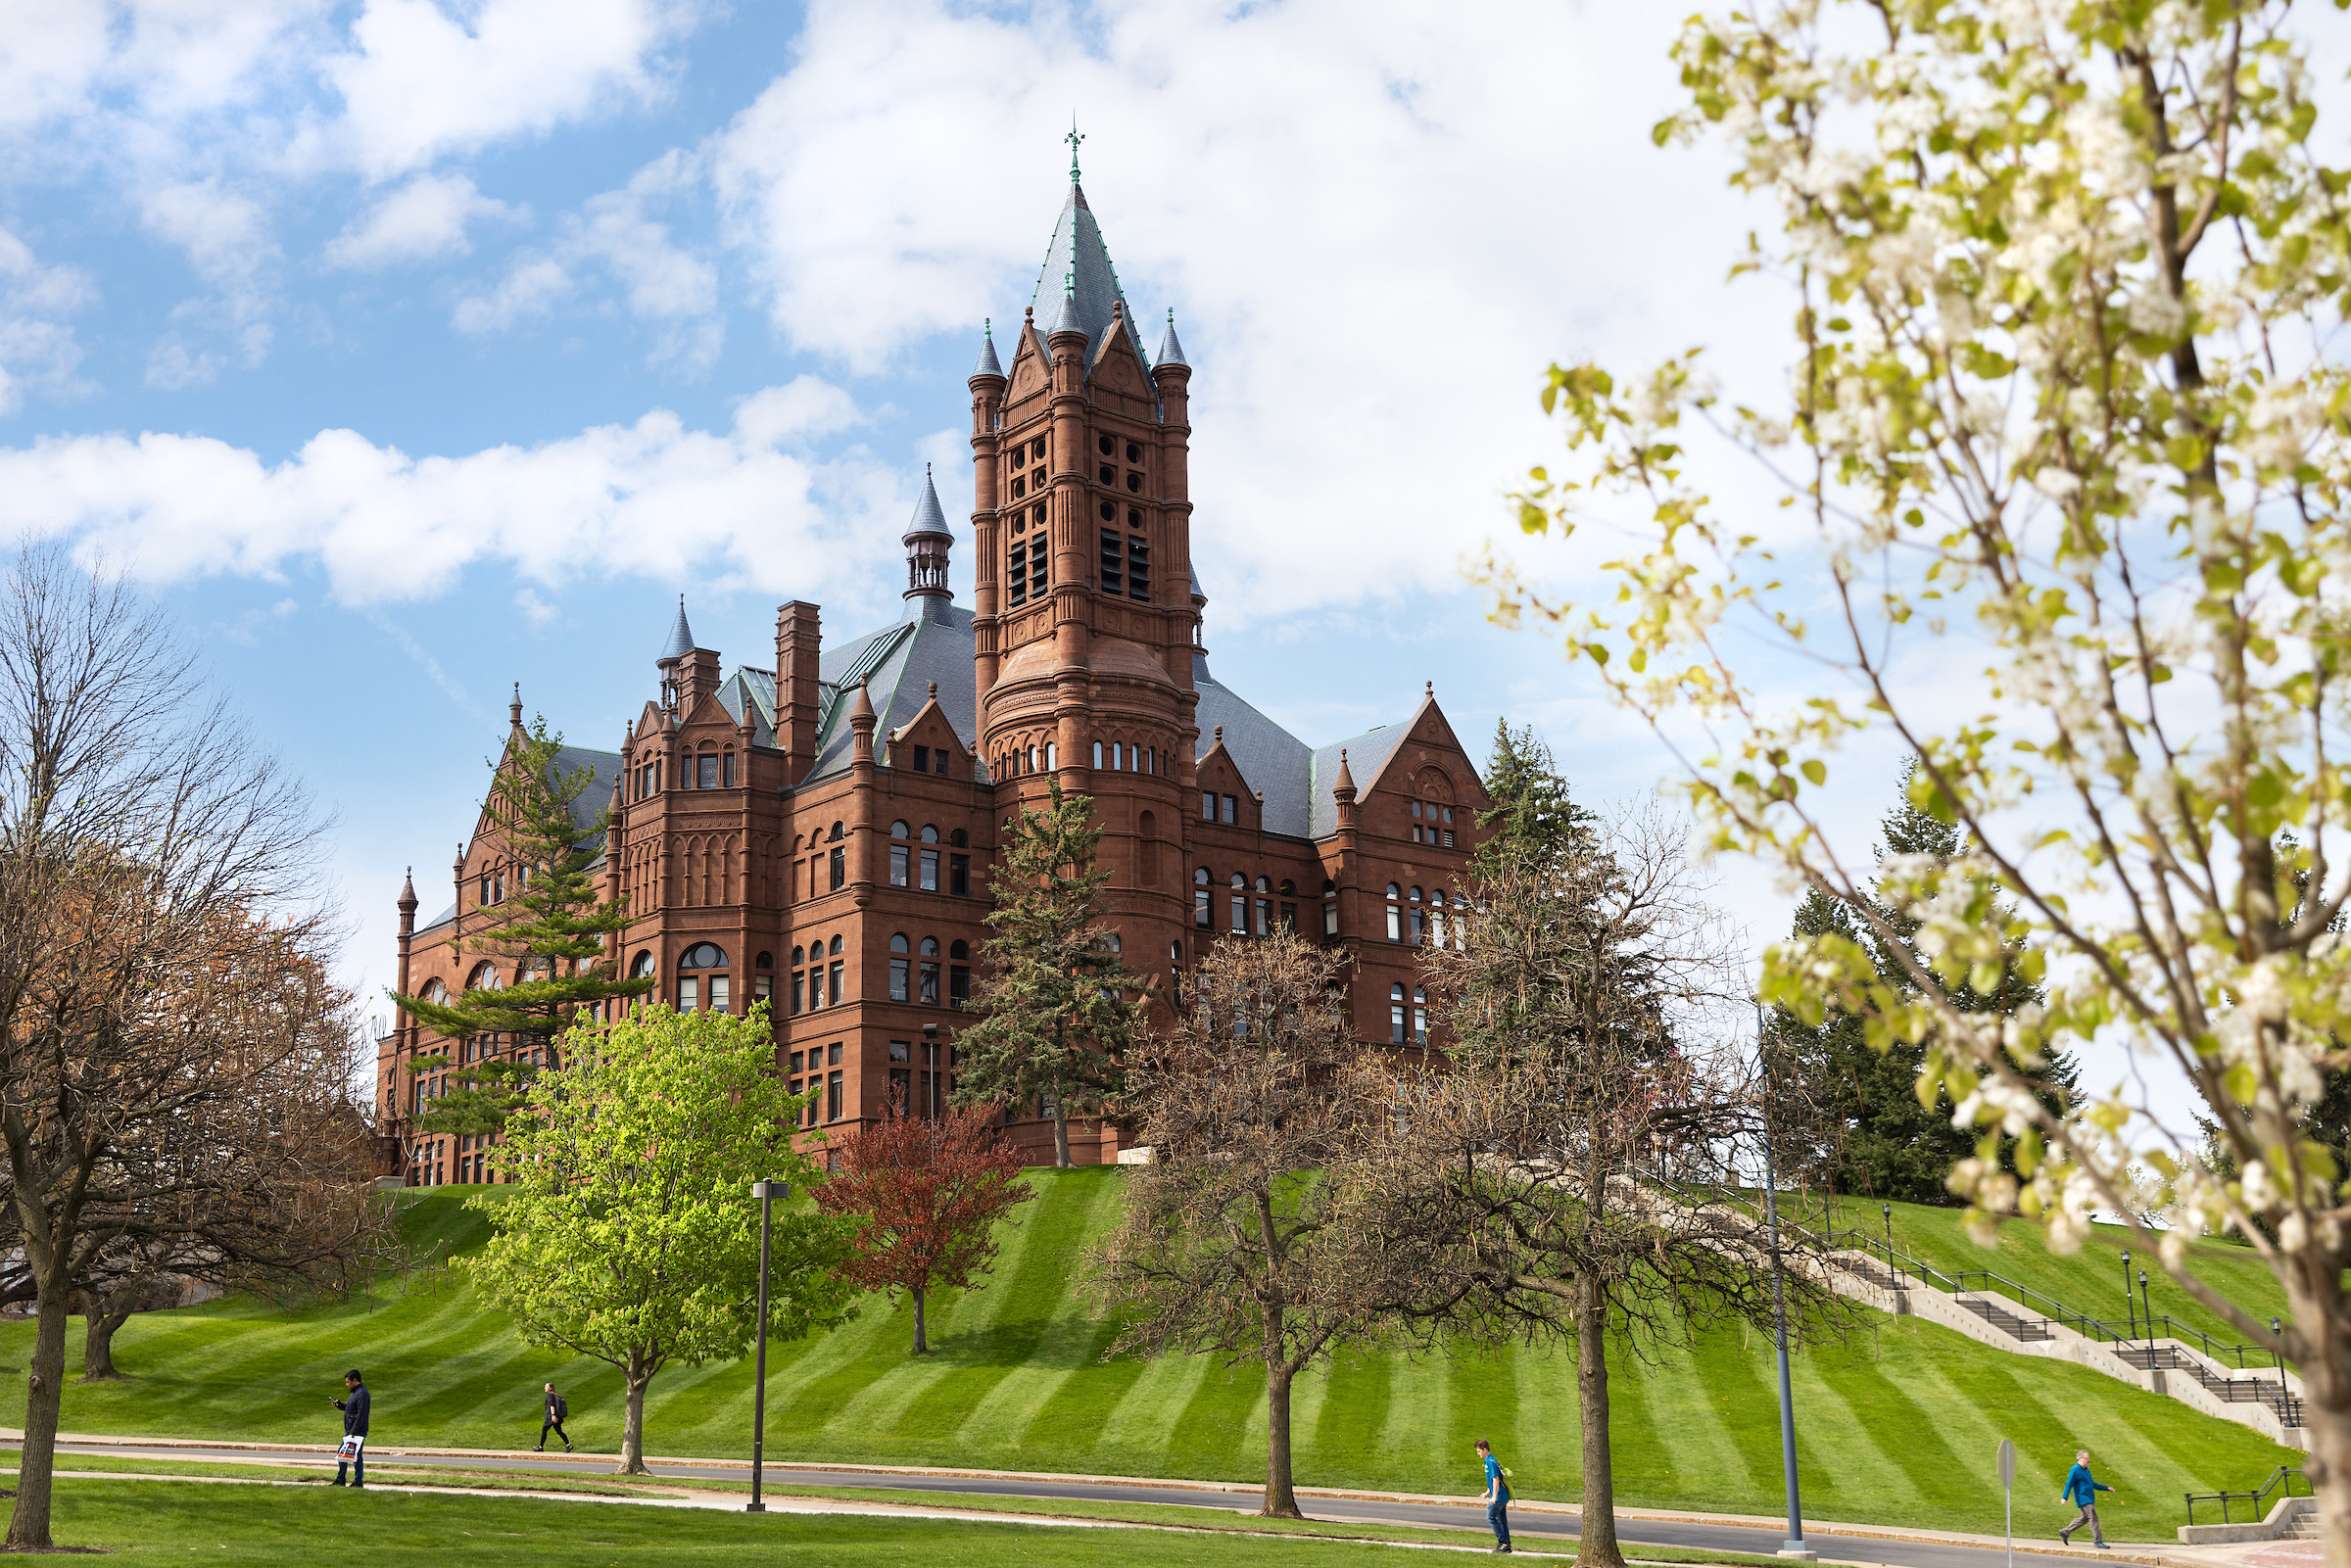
[1077, 267]
[927, 540]
[680, 637]
[1072, 138]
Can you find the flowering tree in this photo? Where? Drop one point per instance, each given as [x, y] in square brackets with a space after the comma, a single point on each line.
[2061, 410]
[929, 1194]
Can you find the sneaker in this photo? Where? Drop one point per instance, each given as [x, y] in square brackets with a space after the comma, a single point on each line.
[566, 1447]
[541, 1449]
[2066, 1536]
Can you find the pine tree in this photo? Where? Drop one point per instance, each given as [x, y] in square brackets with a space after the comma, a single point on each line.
[1890, 1145]
[554, 920]
[1056, 1019]
[1532, 819]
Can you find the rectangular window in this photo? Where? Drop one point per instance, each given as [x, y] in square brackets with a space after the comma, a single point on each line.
[837, 993]
[689, 994]
[838, 866]
[832, 1054]
[959, 876]
[1448, 838]
[1330, 918]
[898, 980]
[718, 993]
[833, 1096]
[1200, 915]
[1138, 568]
[1419, 931]
[1265, 917]
[901, 1088]
[1208, 806]
[959, 985]
[897, 866]
[901, 1051]
[1037, 575]
[763, 987]
[939, 760]
[1240, 914]
[930, 870]
[1114, 563]
[1421, 1026]
[1289, 917]
[929, 991]
[1232, 811]
[922, 759]
[708, 764]
[1016, 572]
[798, 997]
[726, 770]
[1396, 1023]
[796, 1067]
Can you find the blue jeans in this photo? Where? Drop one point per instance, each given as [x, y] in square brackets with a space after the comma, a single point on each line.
[357, 1468]
[1497, 1516]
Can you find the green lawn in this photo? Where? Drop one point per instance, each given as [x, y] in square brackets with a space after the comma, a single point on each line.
[2092, 1279]
[1896, 1425]
[163, 1521]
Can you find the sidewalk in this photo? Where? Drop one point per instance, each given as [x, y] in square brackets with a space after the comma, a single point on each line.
[2251, 1555]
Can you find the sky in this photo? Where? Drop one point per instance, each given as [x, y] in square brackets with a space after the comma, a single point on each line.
[410, 349]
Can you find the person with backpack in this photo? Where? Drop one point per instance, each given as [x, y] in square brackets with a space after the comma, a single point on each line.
[557, 1407]
[1498, 1495]
[2081, 1490]
[353, 1455]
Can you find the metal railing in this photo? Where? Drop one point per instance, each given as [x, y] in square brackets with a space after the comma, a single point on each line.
[2282, 1477]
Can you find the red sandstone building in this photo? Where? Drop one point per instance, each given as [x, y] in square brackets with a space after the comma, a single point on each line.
[818, 832]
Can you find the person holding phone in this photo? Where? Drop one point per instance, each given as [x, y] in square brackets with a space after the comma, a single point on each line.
[353, 1455]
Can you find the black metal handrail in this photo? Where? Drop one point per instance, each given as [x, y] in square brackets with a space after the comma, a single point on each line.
[2279, 1477]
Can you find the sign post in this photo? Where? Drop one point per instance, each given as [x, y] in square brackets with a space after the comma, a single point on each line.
[2006, 1460]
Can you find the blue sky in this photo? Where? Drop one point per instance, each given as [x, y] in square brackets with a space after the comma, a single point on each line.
[414, 347]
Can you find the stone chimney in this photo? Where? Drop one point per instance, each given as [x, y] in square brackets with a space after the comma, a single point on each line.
[796, 648]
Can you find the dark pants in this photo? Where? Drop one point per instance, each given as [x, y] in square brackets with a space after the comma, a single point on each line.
[553, 1424]
[2087, 1516]
[1497, 1516]
[357, 1466]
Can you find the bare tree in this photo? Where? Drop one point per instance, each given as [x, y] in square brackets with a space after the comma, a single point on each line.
[1578, 1177]
[167, 1036]
[1244, 1238]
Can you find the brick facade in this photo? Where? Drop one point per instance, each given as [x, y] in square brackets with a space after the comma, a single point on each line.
[827, 822]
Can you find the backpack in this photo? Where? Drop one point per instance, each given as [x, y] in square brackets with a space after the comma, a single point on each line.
[562, 1408]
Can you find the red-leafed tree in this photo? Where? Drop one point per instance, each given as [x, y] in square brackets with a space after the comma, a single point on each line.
[930, 1193]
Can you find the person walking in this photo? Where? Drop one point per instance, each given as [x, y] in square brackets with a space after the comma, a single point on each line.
[2082, 1489]
[557, 1409]
[353, 1455]
[1498, 1496]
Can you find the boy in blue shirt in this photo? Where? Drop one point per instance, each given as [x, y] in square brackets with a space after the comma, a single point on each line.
[1498, 1496]
[2082, 1489]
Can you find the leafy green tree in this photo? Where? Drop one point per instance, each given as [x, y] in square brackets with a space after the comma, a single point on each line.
[630, 1235]
[554, 920]
[1056, 1018]
[1881, 1140]
[2063, 448]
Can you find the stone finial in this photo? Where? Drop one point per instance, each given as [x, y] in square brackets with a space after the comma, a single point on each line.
[514, 708]
[1219, 735]
[933, 692]
[407, 891]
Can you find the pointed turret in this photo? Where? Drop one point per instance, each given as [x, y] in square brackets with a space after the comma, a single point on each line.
[861, 729]
[514, 708]
[1077, 265]
[1065, 319]
[1171, 351]
[928, 541]
[988, 365]
[680, 637]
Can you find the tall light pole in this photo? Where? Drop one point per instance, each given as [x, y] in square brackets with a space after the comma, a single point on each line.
[1794, 1545]
[2128, 1305]
[767, 1192]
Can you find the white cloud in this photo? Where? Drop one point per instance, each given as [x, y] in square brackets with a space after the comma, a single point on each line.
[37, 347]
[536, 610]
[168, 59]
[617, 232]
[422, 79]
[424, 220]
[1378, 221]
[654, 498]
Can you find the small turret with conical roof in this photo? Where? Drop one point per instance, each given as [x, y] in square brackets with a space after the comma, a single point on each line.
[928, 541]
[680, 643]
[1171, 351]
[988, 365]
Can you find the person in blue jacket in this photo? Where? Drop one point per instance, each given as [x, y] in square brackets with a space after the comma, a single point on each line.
[354, 1405]
[1498, 1496]
[2082, 1489]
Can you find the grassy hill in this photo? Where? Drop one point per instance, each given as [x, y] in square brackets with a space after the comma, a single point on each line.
[1898, 1424]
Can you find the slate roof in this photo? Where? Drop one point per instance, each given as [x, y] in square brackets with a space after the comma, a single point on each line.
[928, 516]
[681, 635]
[1171, 351]
[596, 795]
[1078, 269]
[988, 365]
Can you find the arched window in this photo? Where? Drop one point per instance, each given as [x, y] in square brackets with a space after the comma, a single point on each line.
[1395, 914]
[1097, 753]
[799, 956]
[897, 943]
[929, 833]
[1264, 906]
[1200, 886]
[703, 956]
[641, 967]
[690, 964]
[834, 948]
[726, 770]
[835, 835]
[929, 947]
[901, 969]
[959, 949]
[765, 961]
[1330, 907]
[435, 992]
[1419, 931]
[901, 858]
[927, 974]
[1032, 768]
[763, 981]
[483, 978]
[897, 829]
[1052, 756]
[1420, 1017]
[1241, 904]
[959, 839]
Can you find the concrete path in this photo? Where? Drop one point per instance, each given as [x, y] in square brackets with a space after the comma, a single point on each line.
[1892, 1547]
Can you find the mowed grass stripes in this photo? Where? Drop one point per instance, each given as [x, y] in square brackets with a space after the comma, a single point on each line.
[1897, 1424]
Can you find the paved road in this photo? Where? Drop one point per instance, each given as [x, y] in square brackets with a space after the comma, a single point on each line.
[1461, 1516]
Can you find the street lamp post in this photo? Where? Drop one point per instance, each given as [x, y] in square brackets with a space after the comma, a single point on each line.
[2128, 1305]
[2146, 1312]
[767, 1192]
[1891, 1267]
[1794, 1545]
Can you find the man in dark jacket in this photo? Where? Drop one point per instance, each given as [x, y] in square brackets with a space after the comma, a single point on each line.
[556, 1410]
[2081, 1490]
[353, 1455]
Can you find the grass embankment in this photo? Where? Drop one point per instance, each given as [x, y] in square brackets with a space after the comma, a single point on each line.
[1896, 1425]
[2092, 1279]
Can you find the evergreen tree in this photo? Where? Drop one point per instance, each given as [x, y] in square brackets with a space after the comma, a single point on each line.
[1532, 819]
[1056, 1018]
[554, 920]
[1888, 1145]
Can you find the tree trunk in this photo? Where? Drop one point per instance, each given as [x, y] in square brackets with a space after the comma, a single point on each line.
[1281, 1500]
[98, 1337]
[44, 1394]
[1061, 1137]
[2326, 1418]
[922, 1345]
[1597, 1547]
[636, 1378]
